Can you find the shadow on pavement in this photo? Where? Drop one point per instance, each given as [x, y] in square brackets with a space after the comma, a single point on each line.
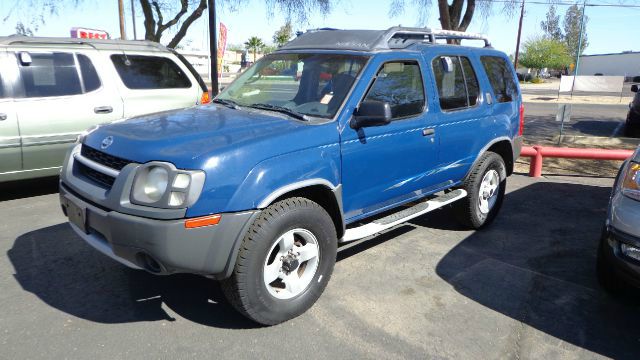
[536, 264]
[69, 275]
[27, 188]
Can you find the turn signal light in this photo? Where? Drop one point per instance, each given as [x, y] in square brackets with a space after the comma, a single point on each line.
[205, 99]
[208, 220]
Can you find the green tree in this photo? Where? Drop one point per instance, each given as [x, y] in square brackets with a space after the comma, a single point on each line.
[254, 44]
[541, 52]
[572, 19]
[283, 35]
[454, 14]
[551, 25]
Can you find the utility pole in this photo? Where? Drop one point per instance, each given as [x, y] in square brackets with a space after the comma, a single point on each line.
[123, 36]
[515, 65]
[575, 73]
[213, 47]
[133, 19]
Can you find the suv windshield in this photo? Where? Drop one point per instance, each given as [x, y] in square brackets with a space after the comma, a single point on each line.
[307, 84]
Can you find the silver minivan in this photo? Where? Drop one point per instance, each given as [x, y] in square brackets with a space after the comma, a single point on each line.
[52, 89]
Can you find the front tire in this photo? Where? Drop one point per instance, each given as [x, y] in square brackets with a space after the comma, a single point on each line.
[485, 187]
[285, 262]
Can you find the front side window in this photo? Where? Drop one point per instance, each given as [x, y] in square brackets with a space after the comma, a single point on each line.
[501, 78]
[141, 72]
[400, 85]
[456, 82]
[308, 84]
[50, 74]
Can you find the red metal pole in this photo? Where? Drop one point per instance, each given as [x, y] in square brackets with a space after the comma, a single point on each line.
[537, 153]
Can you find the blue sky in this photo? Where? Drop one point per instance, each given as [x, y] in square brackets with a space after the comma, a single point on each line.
[609, 29]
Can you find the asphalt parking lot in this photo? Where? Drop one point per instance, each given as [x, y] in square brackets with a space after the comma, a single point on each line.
[524, 288]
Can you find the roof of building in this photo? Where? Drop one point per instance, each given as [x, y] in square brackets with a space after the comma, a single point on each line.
[373, 40]
[620, 53]
[94, 43]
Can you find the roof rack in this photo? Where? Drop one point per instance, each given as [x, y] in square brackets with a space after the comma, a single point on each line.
[95, 43]
[370, 40]
[395, 36]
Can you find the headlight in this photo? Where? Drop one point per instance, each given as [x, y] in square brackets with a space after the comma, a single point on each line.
[162, 185]
[631, 182]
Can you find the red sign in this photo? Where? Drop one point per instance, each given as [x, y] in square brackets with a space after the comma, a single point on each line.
[84, 33]
[222, 45]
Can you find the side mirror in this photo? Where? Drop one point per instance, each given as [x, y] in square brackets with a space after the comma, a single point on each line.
[634, 88]
[371, 113]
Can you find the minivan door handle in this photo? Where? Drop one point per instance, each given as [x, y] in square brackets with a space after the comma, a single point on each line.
[429, 131]
[103, 109]
[3, 117]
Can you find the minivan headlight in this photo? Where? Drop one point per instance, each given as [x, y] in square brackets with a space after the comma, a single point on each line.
[162, 185]
[631, 182]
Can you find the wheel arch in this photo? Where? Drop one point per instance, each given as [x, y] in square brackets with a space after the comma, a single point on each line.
[501, 146]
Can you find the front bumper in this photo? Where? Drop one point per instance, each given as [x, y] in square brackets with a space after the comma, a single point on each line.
[625, 268]
[158, 246]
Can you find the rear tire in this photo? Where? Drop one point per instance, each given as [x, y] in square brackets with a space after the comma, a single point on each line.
[285, 262]
[485, 188]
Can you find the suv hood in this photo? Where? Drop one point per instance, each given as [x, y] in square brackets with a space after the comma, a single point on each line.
[184, 136]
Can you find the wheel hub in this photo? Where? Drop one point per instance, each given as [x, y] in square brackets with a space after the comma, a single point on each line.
[290, 263]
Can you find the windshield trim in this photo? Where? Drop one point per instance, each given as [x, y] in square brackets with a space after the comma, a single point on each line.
[368, 56]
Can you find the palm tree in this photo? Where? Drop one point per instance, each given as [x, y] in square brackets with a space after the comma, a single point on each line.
[254, 44]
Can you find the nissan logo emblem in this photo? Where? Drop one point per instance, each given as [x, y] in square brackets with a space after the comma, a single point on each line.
[106, 142]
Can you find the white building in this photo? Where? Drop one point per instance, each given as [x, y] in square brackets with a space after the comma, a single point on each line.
[621, 64]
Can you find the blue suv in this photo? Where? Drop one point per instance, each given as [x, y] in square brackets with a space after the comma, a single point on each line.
[337, 136]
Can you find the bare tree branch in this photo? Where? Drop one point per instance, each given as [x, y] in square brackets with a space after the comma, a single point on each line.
[188, 21]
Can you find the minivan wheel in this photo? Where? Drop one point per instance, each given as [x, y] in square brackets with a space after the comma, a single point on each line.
[485, 187]
[284, 262]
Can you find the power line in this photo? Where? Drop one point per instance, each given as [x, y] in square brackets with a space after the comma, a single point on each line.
[569, 3]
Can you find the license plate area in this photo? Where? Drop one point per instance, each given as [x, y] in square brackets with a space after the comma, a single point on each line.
[77, 215]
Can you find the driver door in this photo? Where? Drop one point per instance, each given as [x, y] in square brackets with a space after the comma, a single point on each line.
[387, 165]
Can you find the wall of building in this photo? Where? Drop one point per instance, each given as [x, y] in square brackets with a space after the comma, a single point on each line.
[624, 64]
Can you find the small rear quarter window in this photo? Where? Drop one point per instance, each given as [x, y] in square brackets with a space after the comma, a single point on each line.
[149, 72]
[501, 78]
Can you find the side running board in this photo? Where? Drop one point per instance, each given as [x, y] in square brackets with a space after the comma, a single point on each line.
[401, 216]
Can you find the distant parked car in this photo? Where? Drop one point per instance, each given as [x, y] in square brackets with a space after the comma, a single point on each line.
[632, 126]
[52, 89]
[619, 251]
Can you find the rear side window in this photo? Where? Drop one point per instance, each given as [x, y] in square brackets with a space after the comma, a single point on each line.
[501, 78]
[456, 82]
[50, 74]
[89, 74]
[400, 85]
[149, 72]
[2, 92]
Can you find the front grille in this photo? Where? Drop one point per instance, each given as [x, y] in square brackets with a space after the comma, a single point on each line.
[95, 176]
[107, 160]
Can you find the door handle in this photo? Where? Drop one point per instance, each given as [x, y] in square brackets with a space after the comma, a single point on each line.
[429, 131]
[103, 109]
[3, 117]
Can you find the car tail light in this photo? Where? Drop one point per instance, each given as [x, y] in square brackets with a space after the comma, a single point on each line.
[521, 128]
[205, 99]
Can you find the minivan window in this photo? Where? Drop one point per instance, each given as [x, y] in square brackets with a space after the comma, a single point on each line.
[89, 74]
[399, 83]
[149, 72]
[50, 74]
[500, 77]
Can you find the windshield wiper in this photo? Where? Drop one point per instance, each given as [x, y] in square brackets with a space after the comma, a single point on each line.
[281, 109]
[228, 103]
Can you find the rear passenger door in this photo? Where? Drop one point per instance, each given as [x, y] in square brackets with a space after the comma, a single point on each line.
[59, 95]
[464, 119]
[10, 153]
[153, 83]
